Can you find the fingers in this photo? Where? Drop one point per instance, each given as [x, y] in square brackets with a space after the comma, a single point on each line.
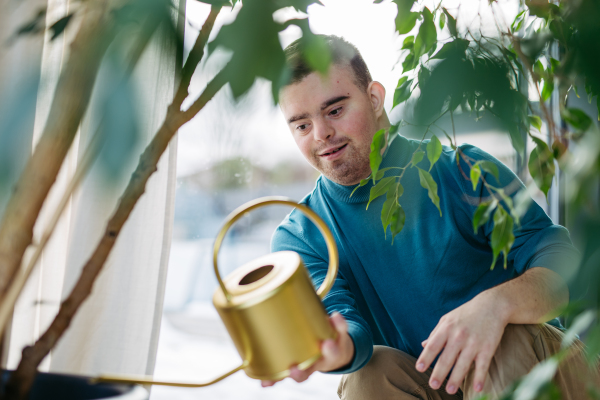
[295, 373]
[338, 322]
[461, 368]
[301, 375]
[443, 366]
[482, 364]
[435, 344]
[330, 350]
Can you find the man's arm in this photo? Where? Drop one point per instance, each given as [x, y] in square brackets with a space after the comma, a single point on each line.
[472, 332]
[353, 345]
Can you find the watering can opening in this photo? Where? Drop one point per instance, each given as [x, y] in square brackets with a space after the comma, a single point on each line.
[256, 275]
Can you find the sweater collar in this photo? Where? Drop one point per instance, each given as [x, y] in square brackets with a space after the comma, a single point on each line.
[398, 154]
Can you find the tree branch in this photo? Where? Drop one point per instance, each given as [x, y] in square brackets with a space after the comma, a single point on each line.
[69, 104]
[22, 379]
[195, 56]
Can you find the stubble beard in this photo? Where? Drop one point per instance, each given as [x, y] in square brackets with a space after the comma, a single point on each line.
[349, 170]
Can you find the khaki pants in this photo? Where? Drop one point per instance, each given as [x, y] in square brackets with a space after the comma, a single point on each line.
[391, 374]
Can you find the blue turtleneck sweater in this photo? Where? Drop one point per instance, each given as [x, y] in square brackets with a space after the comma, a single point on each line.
[394, 295]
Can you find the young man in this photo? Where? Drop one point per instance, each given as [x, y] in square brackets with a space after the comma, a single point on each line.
[441, 321]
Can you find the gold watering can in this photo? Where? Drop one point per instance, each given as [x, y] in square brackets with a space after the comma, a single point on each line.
[269, 307]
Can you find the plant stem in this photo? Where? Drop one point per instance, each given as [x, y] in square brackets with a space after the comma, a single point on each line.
[22, 378]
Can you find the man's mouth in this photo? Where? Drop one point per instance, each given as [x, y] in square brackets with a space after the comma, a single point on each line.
[329, 152]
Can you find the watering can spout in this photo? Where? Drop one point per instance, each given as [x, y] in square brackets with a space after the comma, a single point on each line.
[269, 307]
[148, 380]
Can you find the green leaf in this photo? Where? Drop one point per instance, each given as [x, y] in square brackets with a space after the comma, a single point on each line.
[389, 206]
[397, 222]
[538, 69]
[375, 156]
[554, 65]
[536, 380]
[427, 36]
[577, 118]
[409, 43]
[516, 139]
[507, 199]
[423, 75]
[541, 166]
[490, 168]
[483, 212]
[535, 121]
[380, 173]
[434, 151]
[381, 188]
[548, 88]
[409, 63]
[593, 344]
[518, 21]
[475, 175]
[405, 19]
[428, 183]
[502, 235]
[417, 157]
[316, 52]
[451, 23]
[362, 183]
[457, 46]
[442, 20]
[579, 325]
[257, 52]
[402, 92]
[405, 22]
[542, 8]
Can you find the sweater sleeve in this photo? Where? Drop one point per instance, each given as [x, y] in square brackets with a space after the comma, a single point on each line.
[538, 242]
[291, 236]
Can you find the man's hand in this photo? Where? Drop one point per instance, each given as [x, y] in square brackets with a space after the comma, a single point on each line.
[469, 333]
[335, 353]
[473, 331]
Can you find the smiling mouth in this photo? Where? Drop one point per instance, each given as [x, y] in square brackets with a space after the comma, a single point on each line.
[334, 151]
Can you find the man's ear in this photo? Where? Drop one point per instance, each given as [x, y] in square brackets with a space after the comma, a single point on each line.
[376, 93]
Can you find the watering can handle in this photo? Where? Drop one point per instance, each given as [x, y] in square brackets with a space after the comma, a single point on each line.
[273, 200]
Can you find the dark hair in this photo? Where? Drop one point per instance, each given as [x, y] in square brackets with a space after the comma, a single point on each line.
[342, 53]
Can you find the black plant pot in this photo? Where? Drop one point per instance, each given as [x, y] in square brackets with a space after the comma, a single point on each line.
[49, 386]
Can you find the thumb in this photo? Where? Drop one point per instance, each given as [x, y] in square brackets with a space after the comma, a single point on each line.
[330, 350]
[338, 322]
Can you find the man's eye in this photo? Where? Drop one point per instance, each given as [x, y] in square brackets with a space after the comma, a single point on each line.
[336, 111]
[301, 127]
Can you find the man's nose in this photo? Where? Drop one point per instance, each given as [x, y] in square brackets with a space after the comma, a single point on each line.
[323, 131]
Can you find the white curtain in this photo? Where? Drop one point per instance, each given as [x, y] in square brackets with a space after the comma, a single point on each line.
[116, 330]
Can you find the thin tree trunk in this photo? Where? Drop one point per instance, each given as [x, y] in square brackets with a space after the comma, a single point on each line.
[21, 380]
[70, 101]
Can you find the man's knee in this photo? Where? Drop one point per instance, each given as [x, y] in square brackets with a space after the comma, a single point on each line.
[389, 374]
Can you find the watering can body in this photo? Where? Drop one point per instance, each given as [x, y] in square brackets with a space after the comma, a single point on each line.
[275, 317]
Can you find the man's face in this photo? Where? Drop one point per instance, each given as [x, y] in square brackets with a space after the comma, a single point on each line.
[332, 121]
